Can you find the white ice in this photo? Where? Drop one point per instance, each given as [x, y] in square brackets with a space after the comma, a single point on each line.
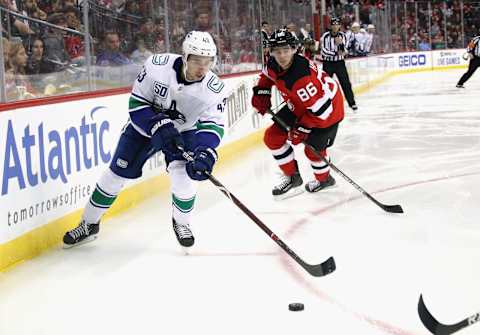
[415, 141]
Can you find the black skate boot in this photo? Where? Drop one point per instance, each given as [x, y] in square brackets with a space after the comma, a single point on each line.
[315, 185]
[85, 232]
[184, 234]
[288, 187]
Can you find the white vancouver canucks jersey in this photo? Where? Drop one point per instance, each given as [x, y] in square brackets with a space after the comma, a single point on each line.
[201, 105]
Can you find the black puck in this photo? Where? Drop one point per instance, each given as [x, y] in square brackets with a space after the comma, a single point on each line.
[296, 306]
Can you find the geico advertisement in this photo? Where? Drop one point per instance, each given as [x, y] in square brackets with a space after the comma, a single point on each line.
[51, 157]
[414, 60]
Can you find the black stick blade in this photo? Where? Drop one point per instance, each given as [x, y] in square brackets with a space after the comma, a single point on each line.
[438, 328]
[321, 269]
[393, 208]
[427, 318]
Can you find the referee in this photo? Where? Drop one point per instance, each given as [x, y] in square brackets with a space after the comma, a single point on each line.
[333, 50]
[473, 53]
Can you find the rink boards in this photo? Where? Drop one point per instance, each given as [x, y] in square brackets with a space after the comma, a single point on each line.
[53, 153]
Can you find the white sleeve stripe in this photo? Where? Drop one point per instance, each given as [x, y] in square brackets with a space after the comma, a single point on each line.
[137, 108]
[326, 113]
[321, 106]
[209, 131]
[211, 122]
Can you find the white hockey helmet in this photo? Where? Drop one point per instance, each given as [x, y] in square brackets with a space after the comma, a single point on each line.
[199, 43]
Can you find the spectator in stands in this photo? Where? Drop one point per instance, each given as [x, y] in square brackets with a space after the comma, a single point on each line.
[111, 55]
[18, 58]
[32, 10]
[355, 41]
[266, 32]
[130, 7]
[37, 65]
[160, 46]
[423, 44]
[18, 28]
[141, 53]
[36, 62]
[73, 42]
[202, 20]
[55, 50]
[159, 27]
[6, 52]
[308, 31]
[148, 35]
[72, 16]
[18, 63]
[370, 40]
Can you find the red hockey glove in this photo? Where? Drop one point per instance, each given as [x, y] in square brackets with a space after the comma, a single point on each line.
[298, 134]
[261, 99]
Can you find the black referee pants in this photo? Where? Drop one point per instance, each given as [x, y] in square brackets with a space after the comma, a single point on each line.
[340, 70]
[472, 67]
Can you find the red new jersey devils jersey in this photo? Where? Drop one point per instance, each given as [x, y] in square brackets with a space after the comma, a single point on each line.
[312, 95]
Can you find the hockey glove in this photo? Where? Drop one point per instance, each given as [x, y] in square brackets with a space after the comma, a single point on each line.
[204, 159]
[261, 99]
[165, 136]
[298, 134]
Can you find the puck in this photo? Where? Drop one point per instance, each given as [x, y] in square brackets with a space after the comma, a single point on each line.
[296, 306]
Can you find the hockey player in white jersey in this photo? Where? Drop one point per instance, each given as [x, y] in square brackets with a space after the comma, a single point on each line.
[176, 102]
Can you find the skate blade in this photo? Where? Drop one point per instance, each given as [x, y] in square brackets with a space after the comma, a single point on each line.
[87, 240]
[290, 194]
[186, 250]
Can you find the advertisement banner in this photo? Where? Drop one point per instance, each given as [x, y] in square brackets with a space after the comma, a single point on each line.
[414, 60]
[53, 154]
[449, 58]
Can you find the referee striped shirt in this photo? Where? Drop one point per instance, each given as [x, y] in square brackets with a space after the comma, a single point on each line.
[474, 46]
[331, 52]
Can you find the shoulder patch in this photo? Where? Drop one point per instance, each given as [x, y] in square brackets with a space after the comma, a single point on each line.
[160, 59]
[215, 84]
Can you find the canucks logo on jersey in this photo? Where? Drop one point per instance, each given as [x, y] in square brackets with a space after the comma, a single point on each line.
[215, 84]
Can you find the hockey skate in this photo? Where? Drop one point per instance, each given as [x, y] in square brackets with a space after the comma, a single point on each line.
[289, 187]
[83, 233]
[315, 185]
[184, 234]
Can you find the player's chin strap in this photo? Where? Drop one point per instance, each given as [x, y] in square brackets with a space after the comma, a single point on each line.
[316, 270]
[387, 208]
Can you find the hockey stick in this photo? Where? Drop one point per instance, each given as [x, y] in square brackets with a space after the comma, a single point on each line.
[317, 270]
[387, 208]
[438, 328]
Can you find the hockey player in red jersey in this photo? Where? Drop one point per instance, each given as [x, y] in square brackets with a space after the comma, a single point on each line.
[313, 111]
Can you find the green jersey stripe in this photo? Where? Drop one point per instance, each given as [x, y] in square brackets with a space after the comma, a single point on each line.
[211, 127]
[133, 103]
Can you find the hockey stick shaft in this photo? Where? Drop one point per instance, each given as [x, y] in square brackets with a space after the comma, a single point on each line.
[438, 328]
[387, 208]
[318, 270]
